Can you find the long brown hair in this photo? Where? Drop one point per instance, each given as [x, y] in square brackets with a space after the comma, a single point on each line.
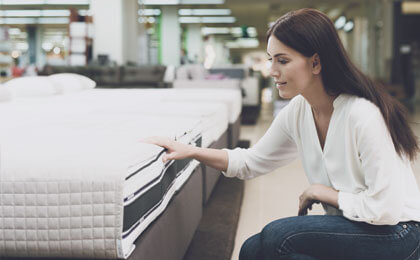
[310, 31]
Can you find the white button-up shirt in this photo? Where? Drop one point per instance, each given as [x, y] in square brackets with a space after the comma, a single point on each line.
[359, 160]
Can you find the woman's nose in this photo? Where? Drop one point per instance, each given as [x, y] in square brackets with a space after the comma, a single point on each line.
[274, 72]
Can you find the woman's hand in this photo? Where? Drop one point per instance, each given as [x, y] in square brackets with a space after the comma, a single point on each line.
[175, 150]
[317, 193]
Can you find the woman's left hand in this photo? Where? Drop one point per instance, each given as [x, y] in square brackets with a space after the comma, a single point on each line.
[316, 193]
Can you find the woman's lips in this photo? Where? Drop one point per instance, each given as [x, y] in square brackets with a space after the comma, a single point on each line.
[280, 84]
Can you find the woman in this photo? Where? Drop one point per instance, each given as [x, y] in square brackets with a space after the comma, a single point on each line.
[355, 145]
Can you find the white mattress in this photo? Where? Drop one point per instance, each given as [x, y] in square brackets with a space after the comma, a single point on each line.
[231, 98]
[69, 195]
[213, 115]
[213, 118]
[84, 167]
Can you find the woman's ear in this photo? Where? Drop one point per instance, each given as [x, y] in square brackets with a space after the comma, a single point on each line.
[316, 64]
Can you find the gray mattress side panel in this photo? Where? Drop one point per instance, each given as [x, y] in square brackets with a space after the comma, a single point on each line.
[211, 175]
[233, 132]
[169, 236]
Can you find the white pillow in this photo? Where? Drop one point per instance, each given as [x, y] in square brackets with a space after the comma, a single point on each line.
[36, 86]
[5, 94]
[71, 82]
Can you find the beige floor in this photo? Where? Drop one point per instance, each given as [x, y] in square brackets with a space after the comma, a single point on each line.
[275, 195]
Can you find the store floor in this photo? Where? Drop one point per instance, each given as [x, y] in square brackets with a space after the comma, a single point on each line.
[276, 195]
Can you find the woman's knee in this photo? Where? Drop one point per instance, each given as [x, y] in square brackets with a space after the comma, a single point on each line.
[251, 248]
[274, 237]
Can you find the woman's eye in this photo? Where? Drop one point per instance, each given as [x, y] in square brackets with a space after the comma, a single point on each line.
[282, 61]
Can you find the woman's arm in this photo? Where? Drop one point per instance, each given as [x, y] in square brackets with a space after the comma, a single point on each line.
[275, 148]
[214, 158]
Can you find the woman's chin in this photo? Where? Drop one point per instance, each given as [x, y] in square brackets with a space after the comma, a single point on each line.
[284, 95]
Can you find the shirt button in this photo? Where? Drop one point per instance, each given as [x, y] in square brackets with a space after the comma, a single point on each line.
[404, 226]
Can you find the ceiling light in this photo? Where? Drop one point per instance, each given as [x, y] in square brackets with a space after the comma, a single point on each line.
[348, 26]
[202, 2]
[225, 19]
[237, 31]
[195, 19]
[21, 2]
[18, 21]
[149, 12]
[179, 2]
[41, 20]
[410, 7]
[204, 12]
[21, 13]
[340, 22]
[34, 13]
[50, 13]
[50, 20]
[189, 19]
[158, 2]
[44, 2]
[215, 30]
[67, 2]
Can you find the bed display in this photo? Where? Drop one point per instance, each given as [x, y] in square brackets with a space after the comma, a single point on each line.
[77, 182]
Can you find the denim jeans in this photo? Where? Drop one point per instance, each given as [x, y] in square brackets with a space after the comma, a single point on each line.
[332, 237]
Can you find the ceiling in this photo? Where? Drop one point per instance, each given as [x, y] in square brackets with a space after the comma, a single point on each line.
[259, 13]
[255, 13]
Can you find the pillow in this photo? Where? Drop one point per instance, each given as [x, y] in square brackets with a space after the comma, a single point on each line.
[71, 82]
[5, 94]
[35, 86]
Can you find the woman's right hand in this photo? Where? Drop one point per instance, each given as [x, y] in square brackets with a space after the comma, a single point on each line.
[175, 150]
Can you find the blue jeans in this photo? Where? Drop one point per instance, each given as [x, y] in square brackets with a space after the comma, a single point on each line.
[332, 237]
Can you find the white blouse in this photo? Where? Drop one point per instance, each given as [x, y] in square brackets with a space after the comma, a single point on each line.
[359, 160]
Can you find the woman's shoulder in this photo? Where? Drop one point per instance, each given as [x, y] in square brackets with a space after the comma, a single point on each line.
[361, 109]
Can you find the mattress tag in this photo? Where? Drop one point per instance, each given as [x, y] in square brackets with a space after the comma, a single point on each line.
[120, 253]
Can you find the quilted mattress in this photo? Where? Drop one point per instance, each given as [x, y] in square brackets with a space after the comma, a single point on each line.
[85, 186]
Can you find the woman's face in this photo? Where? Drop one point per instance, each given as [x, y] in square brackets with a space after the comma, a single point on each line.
[291, 71]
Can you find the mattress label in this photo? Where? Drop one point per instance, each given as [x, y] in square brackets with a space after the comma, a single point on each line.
[120, 253]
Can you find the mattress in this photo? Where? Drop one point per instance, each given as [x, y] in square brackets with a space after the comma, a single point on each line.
[231, 98]
[214, 117]
[88, 187]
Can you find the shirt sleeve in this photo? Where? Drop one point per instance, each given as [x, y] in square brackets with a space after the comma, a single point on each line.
[276, 148]
[380, 201]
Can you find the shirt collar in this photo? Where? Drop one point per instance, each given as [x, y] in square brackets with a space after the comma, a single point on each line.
[338, 100]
